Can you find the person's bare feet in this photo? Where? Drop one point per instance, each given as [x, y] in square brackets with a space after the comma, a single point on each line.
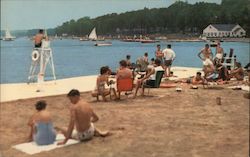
[105, 133]
[102, 133]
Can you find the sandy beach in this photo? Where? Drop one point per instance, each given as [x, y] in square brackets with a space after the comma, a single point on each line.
[164, 123]
[192, 56]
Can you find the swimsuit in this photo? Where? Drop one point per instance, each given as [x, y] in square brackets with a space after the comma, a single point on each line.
[38, 45]
[45, 134]
[86, 135]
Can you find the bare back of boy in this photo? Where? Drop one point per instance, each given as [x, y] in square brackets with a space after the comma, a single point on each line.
[82, 114]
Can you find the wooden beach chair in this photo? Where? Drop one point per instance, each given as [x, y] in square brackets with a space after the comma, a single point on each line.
[159, 75]
[124, 85]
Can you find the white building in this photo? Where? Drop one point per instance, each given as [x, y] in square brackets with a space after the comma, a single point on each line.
[224, 30]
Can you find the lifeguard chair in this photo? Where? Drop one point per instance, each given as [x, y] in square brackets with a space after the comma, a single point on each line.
[40, 58]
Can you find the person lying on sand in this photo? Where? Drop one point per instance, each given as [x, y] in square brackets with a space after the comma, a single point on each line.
[101, 81]
[194, 80]
[41, 127]
[82, 118]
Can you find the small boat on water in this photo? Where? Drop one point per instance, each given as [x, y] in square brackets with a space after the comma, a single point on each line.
[83, 39]
[8, 36]
[213, 44]
[103, 44]
[93, 36]
[149, 41]
[128, 40]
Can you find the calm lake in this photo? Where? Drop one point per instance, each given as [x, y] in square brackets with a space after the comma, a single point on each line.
[78, 58]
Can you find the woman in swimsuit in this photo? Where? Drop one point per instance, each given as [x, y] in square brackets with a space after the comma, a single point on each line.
[101, 81]
[42, 131]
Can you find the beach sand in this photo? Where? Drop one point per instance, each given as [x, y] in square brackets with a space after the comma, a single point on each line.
[164, 123]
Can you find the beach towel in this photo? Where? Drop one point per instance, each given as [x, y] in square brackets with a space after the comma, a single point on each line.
[33, 148]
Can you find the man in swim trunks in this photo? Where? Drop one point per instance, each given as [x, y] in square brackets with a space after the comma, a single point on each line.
[219, 54]
[208, 65]
[206, 52]
[38, 39]
[158, 53]
[82, 118]
[169, 56]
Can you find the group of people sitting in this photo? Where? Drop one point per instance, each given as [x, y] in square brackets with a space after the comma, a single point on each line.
[215, 68]
[82, 117]
[124, 72]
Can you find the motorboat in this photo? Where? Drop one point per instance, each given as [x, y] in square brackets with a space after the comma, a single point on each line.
[103, 44]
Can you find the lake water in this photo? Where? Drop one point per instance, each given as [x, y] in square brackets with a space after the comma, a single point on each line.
[78, 58]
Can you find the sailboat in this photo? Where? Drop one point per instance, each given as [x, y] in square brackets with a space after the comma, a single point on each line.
[92, 35]
[8, 36]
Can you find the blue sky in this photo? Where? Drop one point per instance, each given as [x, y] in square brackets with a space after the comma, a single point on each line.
[31, 14]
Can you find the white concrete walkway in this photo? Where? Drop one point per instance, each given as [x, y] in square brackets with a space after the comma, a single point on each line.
[10, 92]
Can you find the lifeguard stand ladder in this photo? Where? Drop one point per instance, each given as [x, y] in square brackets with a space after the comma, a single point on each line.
[40, 58]
[229, 61]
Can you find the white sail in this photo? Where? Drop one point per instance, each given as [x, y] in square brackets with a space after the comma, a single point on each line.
[92, 35]
[8, 36]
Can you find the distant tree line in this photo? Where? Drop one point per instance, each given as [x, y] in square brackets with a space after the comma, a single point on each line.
[180, 17]
[31, 32]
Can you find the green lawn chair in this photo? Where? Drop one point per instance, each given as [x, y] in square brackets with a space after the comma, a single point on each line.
[159, 75]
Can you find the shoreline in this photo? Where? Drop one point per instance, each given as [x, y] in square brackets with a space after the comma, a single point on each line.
[242, 40]
[16, 91]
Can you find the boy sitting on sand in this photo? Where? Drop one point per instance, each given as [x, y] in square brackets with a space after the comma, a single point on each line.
[82, 118]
